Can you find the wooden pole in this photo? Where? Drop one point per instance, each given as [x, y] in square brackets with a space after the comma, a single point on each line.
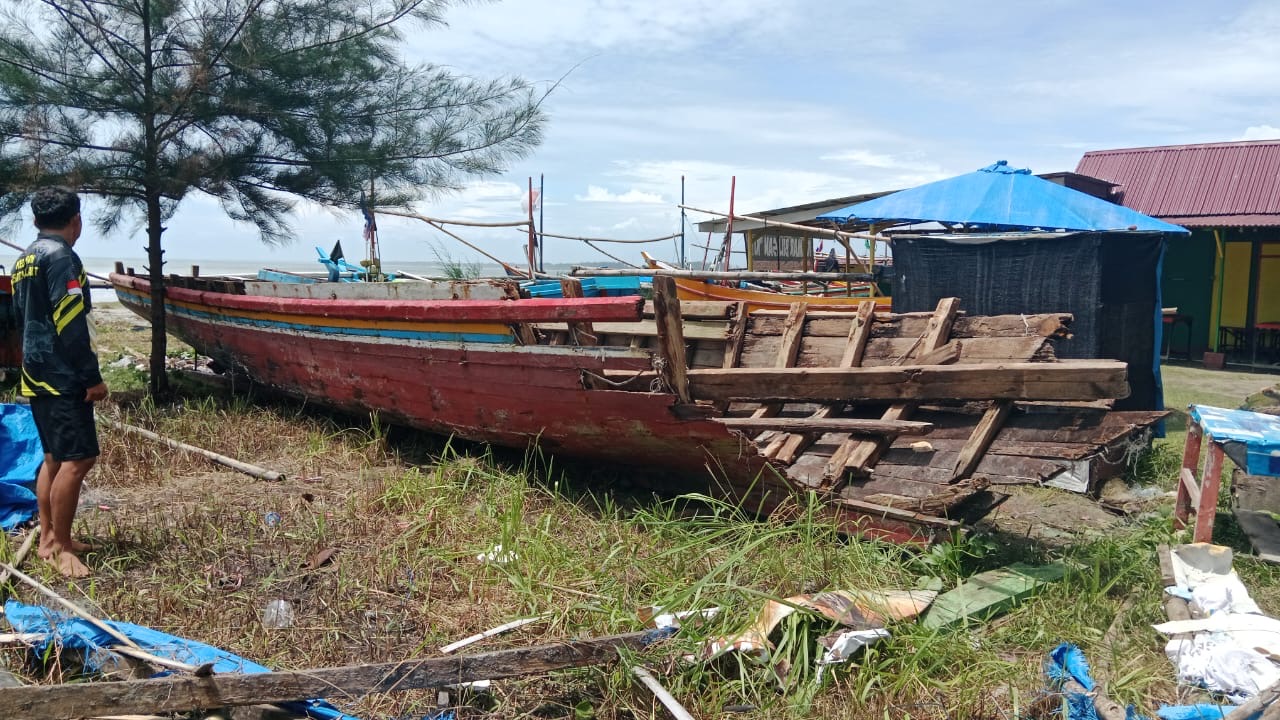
[21, 555]
[533, 236]
[246, 468]
[668, 701]
[178, 694]
[439, 221]
[728, 233]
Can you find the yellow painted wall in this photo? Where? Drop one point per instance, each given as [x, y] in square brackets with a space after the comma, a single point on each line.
[1269, 284]
[1235, 288]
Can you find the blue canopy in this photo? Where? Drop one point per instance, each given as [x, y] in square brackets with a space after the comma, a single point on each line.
[999, 196]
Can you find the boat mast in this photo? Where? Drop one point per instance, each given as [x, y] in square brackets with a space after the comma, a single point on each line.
[371, 252]
[542, 240]
[683, 224]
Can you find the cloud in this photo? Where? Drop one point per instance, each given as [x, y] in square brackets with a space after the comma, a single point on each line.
[628, 223]
[597, 194]
[1260, 132]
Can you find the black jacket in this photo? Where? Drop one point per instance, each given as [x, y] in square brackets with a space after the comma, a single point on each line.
[51, 294]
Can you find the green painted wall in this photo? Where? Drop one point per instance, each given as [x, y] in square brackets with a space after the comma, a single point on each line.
[1188, 285]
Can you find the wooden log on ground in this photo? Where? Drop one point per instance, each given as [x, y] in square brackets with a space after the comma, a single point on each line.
[244, 467]
[175, 694]
[1268, 697]
[812, 424]
[1079, 380]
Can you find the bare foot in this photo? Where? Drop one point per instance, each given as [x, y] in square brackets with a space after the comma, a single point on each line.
[79, 547]
[46, 550]
[69, 565]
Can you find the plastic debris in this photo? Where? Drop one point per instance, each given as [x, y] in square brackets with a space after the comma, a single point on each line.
[277, 615]
[840, 646]
[1200, 711]
[497, 555]
[271, 519]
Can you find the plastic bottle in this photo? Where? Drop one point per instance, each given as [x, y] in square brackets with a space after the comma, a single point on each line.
[277, 615]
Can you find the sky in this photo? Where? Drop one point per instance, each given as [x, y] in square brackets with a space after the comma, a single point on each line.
[801, 100]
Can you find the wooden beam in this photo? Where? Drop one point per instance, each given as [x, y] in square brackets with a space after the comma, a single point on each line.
[176, 694]
[666, 311]
[983, 435]
[811, 424]
[1061, 381]
[786, 448]
[862, 454]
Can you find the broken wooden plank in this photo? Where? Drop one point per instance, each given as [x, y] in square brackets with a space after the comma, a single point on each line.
[944, 355]
[990, 593]
[862, 454]
[733, 340]
[786, 448]
[825, 323]
[175, 694]
[666, 307]
[981, 439]
[812, 424]
[1083, 380]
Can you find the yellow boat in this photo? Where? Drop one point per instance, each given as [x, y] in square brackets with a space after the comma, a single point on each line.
[689, 289]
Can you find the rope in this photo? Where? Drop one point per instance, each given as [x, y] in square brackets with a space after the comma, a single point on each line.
[614, 257]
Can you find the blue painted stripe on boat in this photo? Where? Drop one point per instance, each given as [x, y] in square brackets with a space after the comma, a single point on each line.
[329, 330]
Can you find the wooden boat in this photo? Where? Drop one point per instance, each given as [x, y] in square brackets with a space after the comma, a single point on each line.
[697, 290]
[577, 377]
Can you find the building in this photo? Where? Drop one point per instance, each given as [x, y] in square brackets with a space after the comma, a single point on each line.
[1224, 278]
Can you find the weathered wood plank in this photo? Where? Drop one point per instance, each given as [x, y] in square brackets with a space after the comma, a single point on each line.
[862, 454]
[699, 309]
[829, 324]
[812, 424]
[981, 439]
[675, 368]
[788, 347]
[786, 448]
[185, 692]
[822, 352]
[734, 339]
[1084, 380]
[991, 593]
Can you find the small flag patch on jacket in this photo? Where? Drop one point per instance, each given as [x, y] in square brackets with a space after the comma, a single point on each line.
[73, 287]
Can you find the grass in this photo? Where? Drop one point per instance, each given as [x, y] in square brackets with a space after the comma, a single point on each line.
[194, 550]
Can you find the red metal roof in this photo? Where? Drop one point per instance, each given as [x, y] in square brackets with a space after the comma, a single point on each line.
[1215, 184]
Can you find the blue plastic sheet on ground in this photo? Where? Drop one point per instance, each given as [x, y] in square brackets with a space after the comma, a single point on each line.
[20, 458]
[1201, 711]
[72, 632]
[1067, 662]
[1258, 433]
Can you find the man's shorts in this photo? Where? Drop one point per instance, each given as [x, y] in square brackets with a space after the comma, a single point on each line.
[66, 426]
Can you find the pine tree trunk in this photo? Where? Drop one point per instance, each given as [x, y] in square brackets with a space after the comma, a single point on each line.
[159, 386]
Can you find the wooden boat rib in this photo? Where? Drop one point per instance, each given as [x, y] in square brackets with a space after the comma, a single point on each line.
[596, 378]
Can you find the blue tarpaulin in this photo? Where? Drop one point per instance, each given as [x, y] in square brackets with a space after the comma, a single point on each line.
[1001, 197]
[20, 458]
[72, 632]
[1258, 433]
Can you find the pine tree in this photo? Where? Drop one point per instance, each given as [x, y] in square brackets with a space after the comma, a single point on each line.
[258, 103]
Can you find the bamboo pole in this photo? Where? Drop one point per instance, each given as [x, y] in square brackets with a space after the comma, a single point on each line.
[664, 238]
[467, 223]
[21, 555]
[246, 468]
[668, 701]
[21, 249]
[789, 226]
[132, 648]
[717, 275]
[437, 225]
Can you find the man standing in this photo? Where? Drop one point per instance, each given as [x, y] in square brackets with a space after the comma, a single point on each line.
[59, 369]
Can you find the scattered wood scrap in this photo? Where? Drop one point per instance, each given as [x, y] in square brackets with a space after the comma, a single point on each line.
[185, 693]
